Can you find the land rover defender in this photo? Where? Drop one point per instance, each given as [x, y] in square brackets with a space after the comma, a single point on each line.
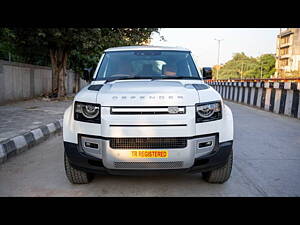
[146, 111]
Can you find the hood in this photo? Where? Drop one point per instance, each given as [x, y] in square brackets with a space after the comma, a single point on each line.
[144, 93]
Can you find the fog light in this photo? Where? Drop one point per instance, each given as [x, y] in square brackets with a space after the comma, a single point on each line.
[205, 144]
[91, 145]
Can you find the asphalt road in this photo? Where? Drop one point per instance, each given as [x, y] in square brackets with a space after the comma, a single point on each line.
[266, 163]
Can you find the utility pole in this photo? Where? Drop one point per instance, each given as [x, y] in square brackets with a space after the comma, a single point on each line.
[219, 40]
[279, 62]
[260, 69]
[242, 70]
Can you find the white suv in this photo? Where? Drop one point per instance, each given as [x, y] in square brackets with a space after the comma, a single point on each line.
[147, 111]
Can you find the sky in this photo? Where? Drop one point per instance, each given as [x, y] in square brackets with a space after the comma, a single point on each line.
[252, 41]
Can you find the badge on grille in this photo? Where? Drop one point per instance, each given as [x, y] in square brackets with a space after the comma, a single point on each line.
[173, 110]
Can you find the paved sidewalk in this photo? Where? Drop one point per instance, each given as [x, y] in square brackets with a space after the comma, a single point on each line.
[21, 117]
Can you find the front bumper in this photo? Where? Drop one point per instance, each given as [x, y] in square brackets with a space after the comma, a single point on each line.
[193, 159]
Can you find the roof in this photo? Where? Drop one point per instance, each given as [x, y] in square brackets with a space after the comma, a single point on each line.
[285, 33]
[146, 47]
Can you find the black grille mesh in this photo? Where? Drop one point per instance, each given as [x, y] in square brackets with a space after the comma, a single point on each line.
[149, 165]
[148, 143]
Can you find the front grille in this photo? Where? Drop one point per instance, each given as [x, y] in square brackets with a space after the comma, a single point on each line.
[148, 143]
[151, 110]
[148, 165]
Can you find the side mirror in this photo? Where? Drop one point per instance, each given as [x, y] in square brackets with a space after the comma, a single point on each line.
[87, 74]
[207, 73]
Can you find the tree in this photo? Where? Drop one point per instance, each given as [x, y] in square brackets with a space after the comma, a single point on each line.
[9, 51]
[80, 43]
[268, 65]
[88, 55]
[241, 66]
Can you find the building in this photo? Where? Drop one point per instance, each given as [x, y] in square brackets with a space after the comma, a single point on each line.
[288, 53]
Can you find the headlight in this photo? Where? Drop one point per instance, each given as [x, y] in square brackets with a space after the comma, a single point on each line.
[87, 112]
[208, 111]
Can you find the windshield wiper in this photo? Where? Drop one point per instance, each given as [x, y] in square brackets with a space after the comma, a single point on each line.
[148, 77]
[126, 78]
[180, 77]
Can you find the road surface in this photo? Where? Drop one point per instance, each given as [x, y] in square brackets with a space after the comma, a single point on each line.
[266, 163]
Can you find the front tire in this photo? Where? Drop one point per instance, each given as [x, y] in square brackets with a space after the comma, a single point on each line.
[74, 175]
[220, 175]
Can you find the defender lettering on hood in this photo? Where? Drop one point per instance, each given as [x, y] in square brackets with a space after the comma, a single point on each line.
[142, 93]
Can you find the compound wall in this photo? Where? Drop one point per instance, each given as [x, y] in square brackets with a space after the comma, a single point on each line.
[19, 81]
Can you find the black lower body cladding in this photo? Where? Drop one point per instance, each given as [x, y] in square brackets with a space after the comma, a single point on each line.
[90, 164]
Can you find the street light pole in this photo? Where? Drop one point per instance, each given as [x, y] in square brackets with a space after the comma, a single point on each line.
[278, 72]
[260, 69]
[219, 40]
[242, 70]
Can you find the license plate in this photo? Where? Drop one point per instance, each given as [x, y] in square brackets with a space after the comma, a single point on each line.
[149, 154]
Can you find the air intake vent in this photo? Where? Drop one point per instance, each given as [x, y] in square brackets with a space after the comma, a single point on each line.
[96, 87]
[148, 143]
[148, 165]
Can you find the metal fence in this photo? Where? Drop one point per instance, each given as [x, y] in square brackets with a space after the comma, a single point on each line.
[293, 79]
[273, 96]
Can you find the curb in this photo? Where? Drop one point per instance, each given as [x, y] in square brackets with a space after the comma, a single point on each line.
[18, 144]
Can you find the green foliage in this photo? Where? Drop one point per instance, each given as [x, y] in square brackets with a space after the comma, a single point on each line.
[68, 48]
[268, 65]
[84, 46]
[242, 66]
[89, 54]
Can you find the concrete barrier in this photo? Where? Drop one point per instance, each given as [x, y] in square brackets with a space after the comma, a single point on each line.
[16, 145]
[277, 97]
[19, 81]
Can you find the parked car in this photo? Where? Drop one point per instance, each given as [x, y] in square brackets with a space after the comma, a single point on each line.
[148, 111]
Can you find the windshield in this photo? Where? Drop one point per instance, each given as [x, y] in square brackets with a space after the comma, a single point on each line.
[147, 64]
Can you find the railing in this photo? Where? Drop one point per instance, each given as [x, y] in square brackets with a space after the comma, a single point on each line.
[277, 95]
[296, 79]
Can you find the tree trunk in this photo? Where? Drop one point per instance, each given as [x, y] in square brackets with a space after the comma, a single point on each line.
[59, 68]
[54, 73]
[62, 90]
[77, 82]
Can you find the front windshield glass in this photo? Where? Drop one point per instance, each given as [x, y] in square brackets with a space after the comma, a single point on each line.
[147, 64]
